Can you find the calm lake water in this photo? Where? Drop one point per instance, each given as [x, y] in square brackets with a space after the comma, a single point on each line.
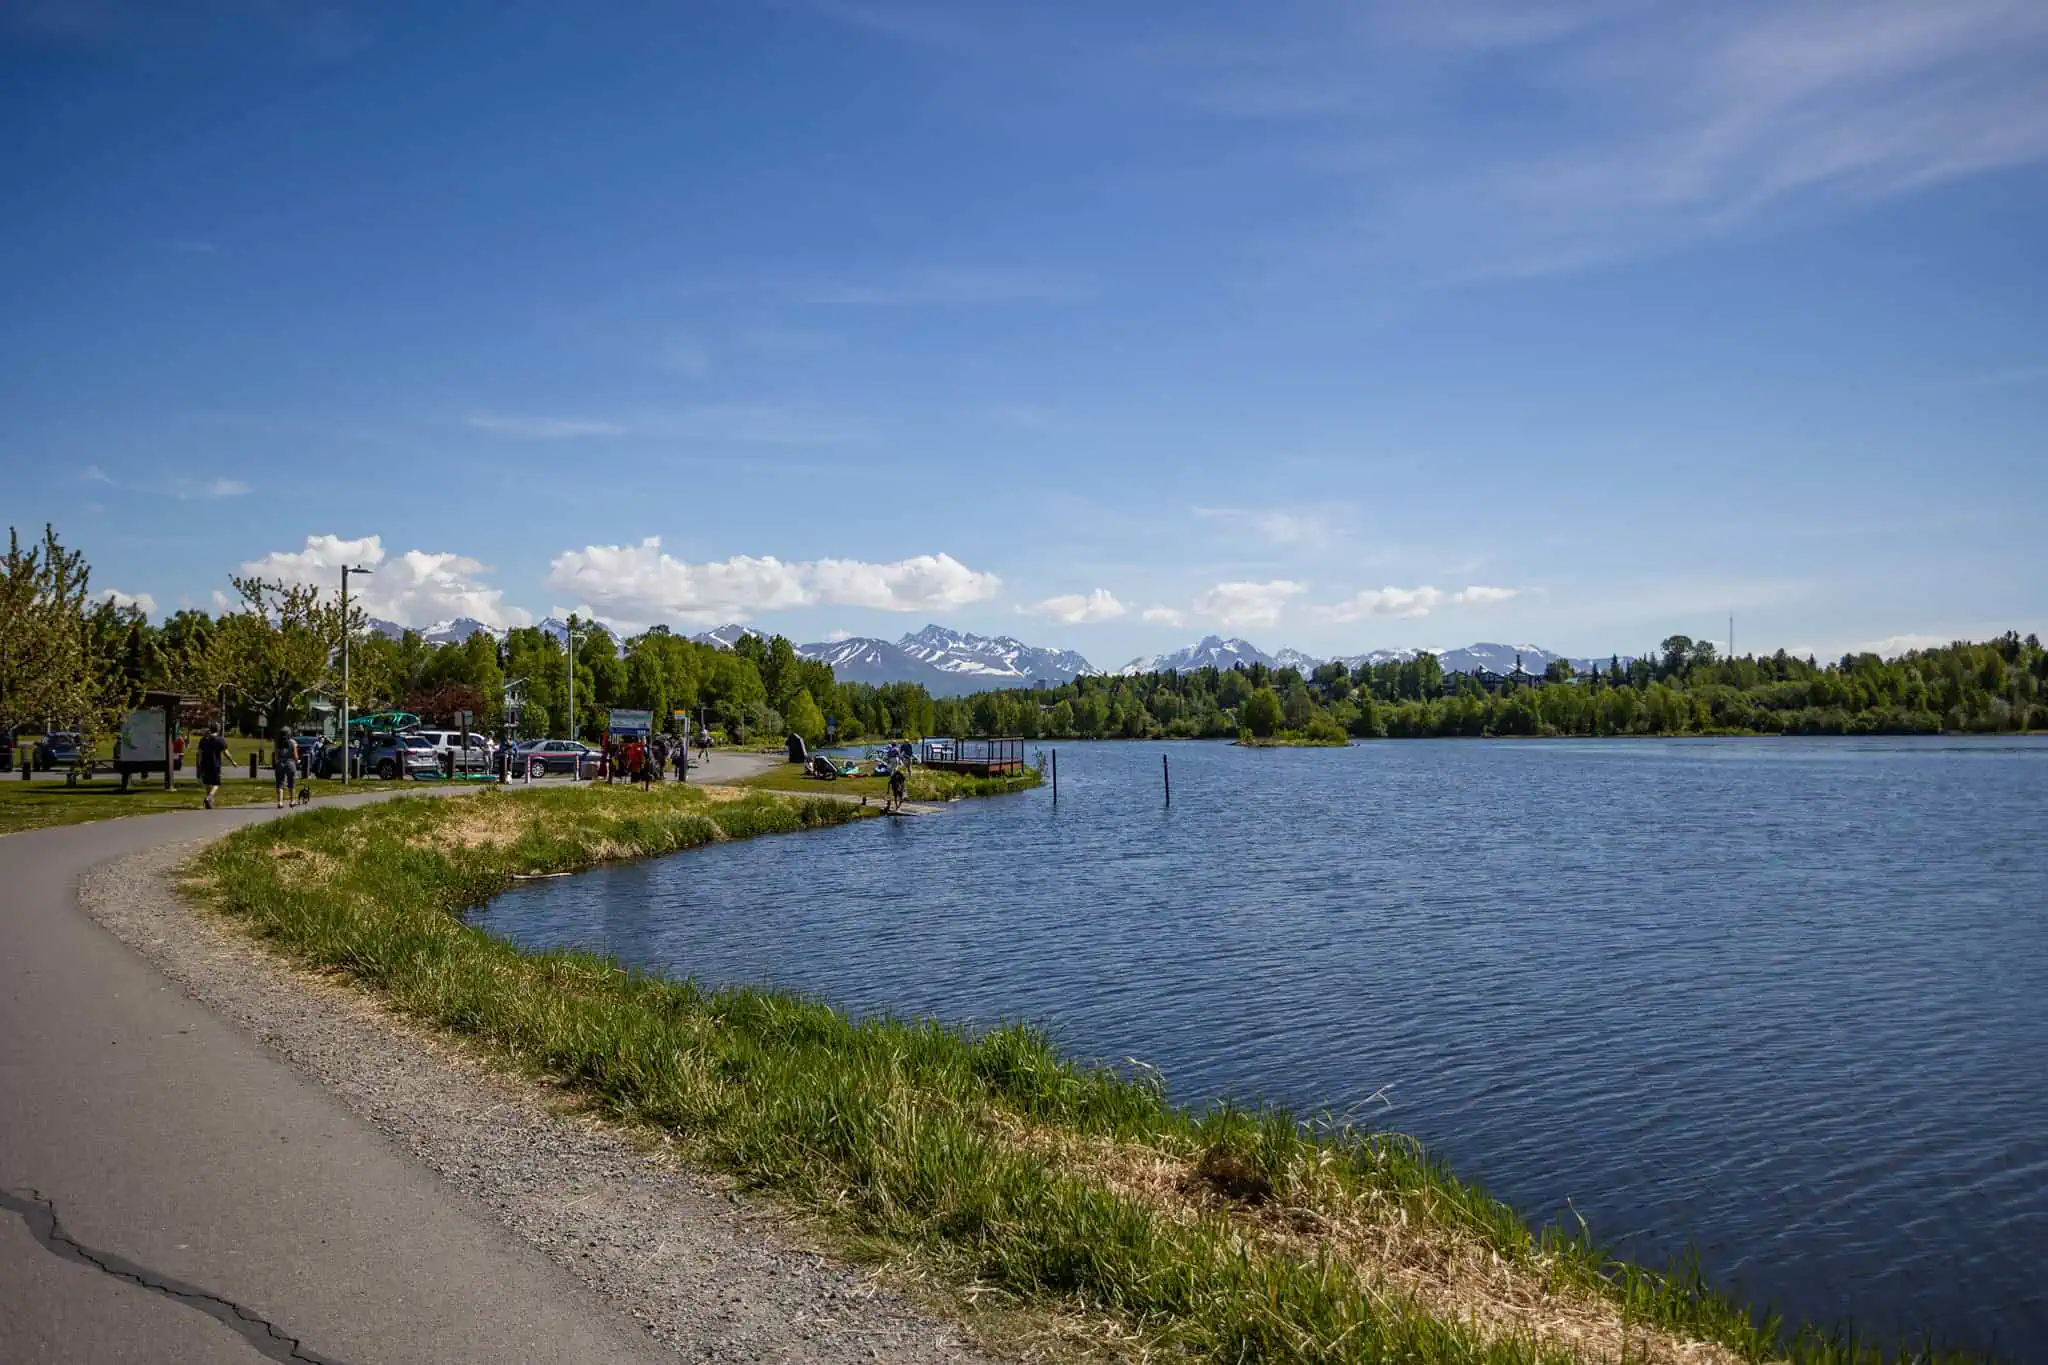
[1785, 1001]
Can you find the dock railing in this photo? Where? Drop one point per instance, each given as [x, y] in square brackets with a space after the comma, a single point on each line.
[981, 757]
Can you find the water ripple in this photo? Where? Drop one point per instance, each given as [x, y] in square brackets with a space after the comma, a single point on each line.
[1778, 1000]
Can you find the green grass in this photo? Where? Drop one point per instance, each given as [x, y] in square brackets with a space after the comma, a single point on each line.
[926, 784]
[45, 802]
[967, 1153]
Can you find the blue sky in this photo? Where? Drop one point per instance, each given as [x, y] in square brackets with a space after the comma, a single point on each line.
[1337, 326]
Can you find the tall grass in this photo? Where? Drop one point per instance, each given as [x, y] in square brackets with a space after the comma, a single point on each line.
[957, 1147]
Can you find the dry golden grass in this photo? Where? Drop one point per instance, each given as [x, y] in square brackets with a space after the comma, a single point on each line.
[1393, 1247]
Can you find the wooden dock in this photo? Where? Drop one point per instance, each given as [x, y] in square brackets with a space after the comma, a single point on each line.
[976, 757]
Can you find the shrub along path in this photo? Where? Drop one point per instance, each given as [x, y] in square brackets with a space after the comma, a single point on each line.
[987, 1161]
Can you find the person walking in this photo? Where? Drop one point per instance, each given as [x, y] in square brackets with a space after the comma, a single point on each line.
[213, 756]
[899, 785]
[683, 759]
[284, 770]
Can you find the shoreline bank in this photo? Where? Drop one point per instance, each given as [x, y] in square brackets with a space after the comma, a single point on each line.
[986, 1160]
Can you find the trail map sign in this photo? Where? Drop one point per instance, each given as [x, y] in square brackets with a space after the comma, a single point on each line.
[631, 722]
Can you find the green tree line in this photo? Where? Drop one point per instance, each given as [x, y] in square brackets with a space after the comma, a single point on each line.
[1962, 688]
[68, 659]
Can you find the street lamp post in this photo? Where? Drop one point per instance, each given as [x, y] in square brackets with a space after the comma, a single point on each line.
[346, 570]
[573, 636]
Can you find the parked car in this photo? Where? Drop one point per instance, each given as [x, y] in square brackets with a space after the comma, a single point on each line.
[553, 756]
[57, 750]
[388, 755]
[475, 758]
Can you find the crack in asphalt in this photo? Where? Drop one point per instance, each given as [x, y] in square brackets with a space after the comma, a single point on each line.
[41, 1217]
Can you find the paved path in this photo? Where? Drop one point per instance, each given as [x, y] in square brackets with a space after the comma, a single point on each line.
[169, 1191]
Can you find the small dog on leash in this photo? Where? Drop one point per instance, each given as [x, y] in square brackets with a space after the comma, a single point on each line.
[305, 794]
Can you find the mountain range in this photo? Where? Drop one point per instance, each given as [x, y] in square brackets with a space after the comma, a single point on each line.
[951, 663]
[1215, 652]
[948, 663]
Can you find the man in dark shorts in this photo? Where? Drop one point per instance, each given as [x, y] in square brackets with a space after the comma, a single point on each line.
[213, 755]
[284, 767]
[899, 784]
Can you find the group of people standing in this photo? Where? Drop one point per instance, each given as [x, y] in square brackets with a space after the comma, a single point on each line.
[647, 761]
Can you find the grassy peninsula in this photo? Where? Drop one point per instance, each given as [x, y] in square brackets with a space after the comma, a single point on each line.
[1076, 1196]
[926, 784]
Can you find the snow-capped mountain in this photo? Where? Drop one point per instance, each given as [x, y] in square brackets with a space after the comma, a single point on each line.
[1211, 652]
[456, 631]
[377, 625]
[946, 663]
[995, 657]
[725, 637]
[1296, 659]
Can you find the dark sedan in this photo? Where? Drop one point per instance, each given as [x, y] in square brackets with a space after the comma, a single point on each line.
[552, 756]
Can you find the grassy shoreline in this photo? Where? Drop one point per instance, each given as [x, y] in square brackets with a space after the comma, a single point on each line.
[987, 1160]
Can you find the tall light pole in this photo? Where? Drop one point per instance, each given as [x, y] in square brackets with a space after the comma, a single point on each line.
[346, 570]
[573, 635]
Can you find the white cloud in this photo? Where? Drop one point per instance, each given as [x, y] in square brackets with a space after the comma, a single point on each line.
[1248, 604]
[642, 582]
[1165, 616]
[1893, 645]
[833, 637]
[414, 588]
[1411, 602]
[1076, 609]
[142, 601]
[527, 428]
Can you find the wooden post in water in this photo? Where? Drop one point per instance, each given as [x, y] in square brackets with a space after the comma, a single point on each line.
[1166, 773]
[1055, 777]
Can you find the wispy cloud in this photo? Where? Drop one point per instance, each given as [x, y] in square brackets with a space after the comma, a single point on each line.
[736, 423]
[944, 287]
[521, 427]
[1738, 118]
[686, 356]
[183, 487]
[206, 490]
[1309, 527]
[1162, 615]
[1410, 603]
[141, 601]
[2009, 377]
[1637, 129]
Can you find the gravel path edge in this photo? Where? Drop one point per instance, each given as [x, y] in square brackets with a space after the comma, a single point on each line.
[710, 1275]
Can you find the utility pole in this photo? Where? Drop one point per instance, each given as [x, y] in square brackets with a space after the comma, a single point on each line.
[346, 570]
